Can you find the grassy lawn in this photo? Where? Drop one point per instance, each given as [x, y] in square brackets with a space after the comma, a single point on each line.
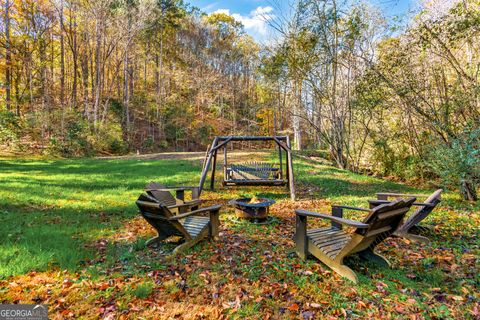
[71, 238]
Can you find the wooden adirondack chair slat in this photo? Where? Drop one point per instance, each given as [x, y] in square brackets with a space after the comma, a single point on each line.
[322, 230]
[163, 196]
[332, 249]
[195, 225]
[332, 245]
[330, 237]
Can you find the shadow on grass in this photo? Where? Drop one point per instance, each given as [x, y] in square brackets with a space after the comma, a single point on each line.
[51, 210]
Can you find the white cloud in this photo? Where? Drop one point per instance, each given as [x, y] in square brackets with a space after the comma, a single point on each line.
[225, 11]
[262, 11]
[209, 7]
[256, 22]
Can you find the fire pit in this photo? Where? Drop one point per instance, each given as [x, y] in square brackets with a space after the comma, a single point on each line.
[256, 210]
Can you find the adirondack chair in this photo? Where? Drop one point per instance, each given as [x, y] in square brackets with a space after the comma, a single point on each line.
[411, 226]
[332, 244]
[178, 203]
[193, 226]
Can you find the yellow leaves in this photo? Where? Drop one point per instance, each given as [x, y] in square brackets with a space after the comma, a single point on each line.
[265, 120]
[15, 287]
[465, 290]
[340, 312]
[457, 298]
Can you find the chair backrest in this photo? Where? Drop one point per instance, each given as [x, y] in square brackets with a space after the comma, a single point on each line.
[422, 211]
[164, 197]
[157, 214]
[383, 221]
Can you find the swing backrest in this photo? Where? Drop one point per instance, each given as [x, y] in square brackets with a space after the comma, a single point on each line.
[253, 171]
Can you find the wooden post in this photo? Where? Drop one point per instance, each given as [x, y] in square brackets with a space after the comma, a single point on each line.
[206, 156]
[206, 167]
[287, 169]
[180, 194]
[301, 241]
[212, 179]
[214, 224]
[291, 181]
[382, 197]
[280, 157]
[337, 212]
[225, 163]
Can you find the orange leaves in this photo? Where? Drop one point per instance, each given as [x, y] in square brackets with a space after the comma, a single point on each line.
[293, 307]
[67, 283]
[103, 286]
[361, 305]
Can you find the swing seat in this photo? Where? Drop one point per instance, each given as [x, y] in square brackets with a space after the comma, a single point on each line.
[253, 173]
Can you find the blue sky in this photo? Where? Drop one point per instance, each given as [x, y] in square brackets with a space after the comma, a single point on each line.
[254, 13]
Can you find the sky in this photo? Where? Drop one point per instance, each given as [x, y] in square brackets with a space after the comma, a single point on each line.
[255, 13]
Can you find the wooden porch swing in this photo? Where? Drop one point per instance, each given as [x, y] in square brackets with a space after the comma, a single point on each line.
[252, 173]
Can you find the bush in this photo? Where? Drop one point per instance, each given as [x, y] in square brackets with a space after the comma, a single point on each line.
[458, 163]
[118, 146]
[9, 128]
[74, 143]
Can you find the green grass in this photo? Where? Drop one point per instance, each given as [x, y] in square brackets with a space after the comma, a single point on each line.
[54, 215]
[50, 210]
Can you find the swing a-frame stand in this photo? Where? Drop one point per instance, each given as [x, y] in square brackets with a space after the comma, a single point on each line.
[250, 173]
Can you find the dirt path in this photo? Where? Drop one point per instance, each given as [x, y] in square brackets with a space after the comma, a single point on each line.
[236, 155]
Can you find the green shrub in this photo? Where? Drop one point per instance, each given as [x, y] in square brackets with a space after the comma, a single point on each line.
[10, 127]
[458, 163]
[118, 146]
[74, 143]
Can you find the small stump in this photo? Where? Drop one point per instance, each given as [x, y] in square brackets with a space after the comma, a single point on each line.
[252, 211]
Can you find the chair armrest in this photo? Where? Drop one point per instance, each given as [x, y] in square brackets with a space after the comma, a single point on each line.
[390, 194]
[170, 188]
[352, 208]
[179, 191]
[206, 209]
[346, 222]
[419, 204]
[148, 204]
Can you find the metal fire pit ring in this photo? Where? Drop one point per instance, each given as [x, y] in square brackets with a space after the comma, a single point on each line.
[256, 212]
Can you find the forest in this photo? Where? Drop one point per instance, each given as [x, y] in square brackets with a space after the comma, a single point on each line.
[108, 77]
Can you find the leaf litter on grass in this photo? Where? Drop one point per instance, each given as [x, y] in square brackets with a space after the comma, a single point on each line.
[253, 272]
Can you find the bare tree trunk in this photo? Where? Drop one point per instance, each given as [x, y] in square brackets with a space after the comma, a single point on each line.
[126, 88]
[8, 56]
[160, 82]
[85, 73]
[17, 90]
[62, 68]
[468, 190]
[73, 29]
[98, 78]
[297, 103]
[157, 84]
